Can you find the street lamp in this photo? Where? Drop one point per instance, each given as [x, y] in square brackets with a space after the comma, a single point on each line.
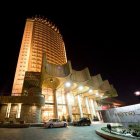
[137, 93]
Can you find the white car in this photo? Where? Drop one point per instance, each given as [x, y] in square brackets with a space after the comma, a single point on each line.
[55, 123]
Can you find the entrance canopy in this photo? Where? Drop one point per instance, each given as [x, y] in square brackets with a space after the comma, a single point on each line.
[77, 82]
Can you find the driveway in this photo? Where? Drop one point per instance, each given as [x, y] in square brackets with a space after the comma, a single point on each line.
[39, 133]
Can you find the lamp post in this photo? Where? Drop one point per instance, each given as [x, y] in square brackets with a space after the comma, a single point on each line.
[137, 93]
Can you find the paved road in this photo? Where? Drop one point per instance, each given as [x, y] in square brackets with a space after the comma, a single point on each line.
[39, 133]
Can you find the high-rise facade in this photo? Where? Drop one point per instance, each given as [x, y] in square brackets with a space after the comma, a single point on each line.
[39, 37]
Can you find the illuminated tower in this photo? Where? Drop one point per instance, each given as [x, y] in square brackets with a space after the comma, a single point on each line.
[39, 36]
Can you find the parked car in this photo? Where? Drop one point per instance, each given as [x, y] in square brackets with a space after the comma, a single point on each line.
[55, 123]
[95, 119]
[82, 121]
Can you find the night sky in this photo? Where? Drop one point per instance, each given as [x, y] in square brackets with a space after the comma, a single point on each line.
[104, 41]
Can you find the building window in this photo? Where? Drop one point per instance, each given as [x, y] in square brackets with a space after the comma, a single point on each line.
[8, 110]
[18, 110]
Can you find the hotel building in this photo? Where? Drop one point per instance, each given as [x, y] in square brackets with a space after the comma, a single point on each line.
[45, 85]
[39, 37]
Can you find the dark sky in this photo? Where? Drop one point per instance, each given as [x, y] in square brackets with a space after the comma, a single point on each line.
[104, 40]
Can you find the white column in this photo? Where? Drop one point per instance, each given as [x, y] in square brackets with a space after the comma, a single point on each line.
[80, 107]
[18, 110]
[97, 113]
[69, 105]
[87, 105]
[8, 110]
[55, 104]
[93, 111]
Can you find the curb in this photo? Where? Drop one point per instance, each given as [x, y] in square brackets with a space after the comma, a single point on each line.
[107, 136]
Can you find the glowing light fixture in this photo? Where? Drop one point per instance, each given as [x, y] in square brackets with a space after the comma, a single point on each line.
[67, 84]
[90, 91]
[97, 93]
[137, 93]
[80, 87]
[51, 80]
